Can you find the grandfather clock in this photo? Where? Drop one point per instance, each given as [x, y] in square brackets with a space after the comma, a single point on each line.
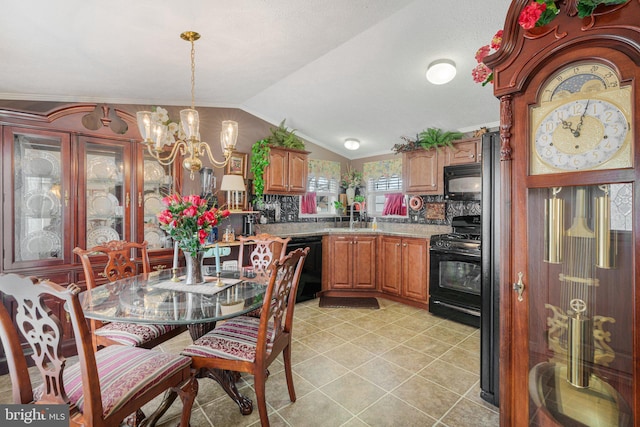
[570, 138]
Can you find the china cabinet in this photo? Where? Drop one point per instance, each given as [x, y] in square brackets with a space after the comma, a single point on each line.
[66, 185]
[351, 263]
[404, 267]
[570, 121]
[287, 171]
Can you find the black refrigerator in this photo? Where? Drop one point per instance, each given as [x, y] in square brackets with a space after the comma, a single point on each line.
[490, 290]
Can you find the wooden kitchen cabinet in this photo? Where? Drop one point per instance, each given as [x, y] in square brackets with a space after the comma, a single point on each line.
[422, 171]
[350, 261]
[464, 151]
[404, 267]
[287, 171]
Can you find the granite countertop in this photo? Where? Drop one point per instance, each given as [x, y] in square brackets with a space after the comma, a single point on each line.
[419, 232]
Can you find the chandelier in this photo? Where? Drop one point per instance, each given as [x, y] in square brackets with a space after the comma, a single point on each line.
[154, 131]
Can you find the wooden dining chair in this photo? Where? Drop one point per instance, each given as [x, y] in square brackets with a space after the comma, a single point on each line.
[103, 387]
[265, 249]
[120, 265]
[249, 344]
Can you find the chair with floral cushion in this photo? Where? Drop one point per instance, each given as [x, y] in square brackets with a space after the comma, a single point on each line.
[104, 387]
[249, 344]
[120, 265]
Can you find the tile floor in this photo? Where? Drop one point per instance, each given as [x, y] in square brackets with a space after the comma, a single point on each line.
[396, 366]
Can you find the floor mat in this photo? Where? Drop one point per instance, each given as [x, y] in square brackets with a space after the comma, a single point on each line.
[348, 302]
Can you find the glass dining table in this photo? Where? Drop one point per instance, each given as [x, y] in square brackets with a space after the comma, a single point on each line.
[155, 298]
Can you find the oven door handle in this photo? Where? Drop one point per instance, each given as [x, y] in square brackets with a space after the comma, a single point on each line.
[453, 251]
[458, 308]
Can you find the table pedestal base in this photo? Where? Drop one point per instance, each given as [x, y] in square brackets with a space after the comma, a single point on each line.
[227, 379]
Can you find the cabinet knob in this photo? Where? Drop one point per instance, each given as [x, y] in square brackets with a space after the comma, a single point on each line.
[404, 244]
[472, 156]
[397, 244]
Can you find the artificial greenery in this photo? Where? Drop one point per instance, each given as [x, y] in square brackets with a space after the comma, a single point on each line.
[338, 205]
[283, 137]
[259, 161]
[434, 138]
[359, 198]
[427, 139]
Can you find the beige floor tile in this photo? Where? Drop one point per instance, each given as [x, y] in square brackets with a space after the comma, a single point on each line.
[350, 355]
[374, 343]
[408, 358]
[315, 409]
[391, 411]
[321, 341]
[427, 396]
[427, 344]
[383, 373]
[468, 414]
[320, 370]
[347, 330]
[449, 376]
[353, 392]
[464, 359]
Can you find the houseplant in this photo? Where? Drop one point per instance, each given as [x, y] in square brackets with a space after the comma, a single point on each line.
[280, 136]
[339, 206]
[427, 139]
[350, 180]
[188, 221]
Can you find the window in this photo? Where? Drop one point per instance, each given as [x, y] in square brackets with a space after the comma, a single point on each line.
[384, 188]
[322, 188]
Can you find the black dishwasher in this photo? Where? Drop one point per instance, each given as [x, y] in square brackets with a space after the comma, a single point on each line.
[311, 277]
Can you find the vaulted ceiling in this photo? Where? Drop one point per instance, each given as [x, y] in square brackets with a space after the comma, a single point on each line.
[334, 69]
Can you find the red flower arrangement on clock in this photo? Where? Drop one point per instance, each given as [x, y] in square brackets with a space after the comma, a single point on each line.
[481, 73]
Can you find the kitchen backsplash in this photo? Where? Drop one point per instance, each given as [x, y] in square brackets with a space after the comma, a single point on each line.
[433, 211]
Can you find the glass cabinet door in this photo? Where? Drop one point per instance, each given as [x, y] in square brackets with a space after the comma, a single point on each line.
[107, 196]
[581, 303]
[41, 196]
[159, 182]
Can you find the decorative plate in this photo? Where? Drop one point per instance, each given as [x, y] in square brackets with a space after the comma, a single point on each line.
[101, 167]
[41, 163]
[153, 171]
[39, 245]
[101, 235]
[42, 203]
[154, 236]
[102, 203]
[153, 204]
[416, 203]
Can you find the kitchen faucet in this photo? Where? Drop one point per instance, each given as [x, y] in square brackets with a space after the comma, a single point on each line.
[362, 214]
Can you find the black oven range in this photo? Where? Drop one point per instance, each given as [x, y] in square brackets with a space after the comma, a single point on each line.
[455, 277]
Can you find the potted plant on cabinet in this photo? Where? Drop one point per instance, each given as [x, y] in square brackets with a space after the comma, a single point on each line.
[428, 139]
[280, 136]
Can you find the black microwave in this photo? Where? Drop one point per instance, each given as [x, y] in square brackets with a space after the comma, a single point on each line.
[463, 182]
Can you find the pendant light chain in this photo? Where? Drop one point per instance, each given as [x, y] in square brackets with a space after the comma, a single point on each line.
[193, 75]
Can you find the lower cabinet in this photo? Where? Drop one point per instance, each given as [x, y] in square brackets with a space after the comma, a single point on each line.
[404, 267]
[351, 263]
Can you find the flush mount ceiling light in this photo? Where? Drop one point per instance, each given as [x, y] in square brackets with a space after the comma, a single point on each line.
[191, 147]
[441, 71]
[351, 144]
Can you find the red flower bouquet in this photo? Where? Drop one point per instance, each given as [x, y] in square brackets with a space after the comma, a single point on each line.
[188, 221]
[541, 12]
[481, 73]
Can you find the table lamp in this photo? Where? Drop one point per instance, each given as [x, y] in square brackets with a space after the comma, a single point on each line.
[233, 185]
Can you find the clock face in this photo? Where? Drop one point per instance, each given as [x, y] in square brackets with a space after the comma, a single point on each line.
[581, 134]
[582, 121]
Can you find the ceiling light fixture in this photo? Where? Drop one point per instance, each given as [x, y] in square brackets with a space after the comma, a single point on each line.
[441, 71]
[153, 131]
[351, 144]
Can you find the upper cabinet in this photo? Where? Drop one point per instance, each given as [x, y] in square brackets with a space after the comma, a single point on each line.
[422, 171]
[287, 171]
[464, 151]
